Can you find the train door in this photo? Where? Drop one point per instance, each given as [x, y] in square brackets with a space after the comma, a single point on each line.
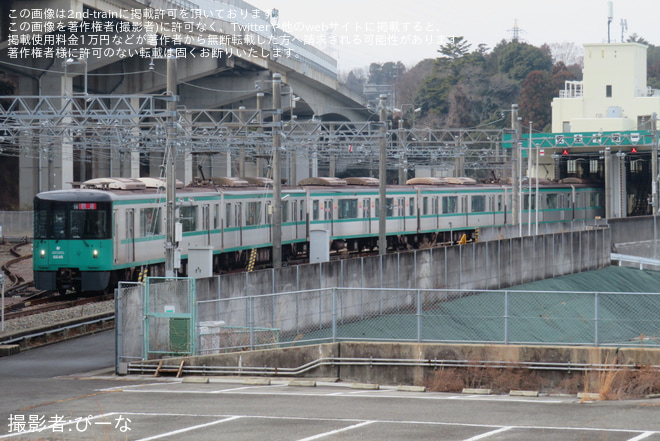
[366, 215]
[130, 235]
[206, 223]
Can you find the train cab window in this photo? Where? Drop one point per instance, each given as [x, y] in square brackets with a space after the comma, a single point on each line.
[449, 204]
[150, 221]
[411, 207]
[253, 213]
[88, 222]
[348, 208]
[478, 204]
[315, 210]
[59, 224]
[188, 217]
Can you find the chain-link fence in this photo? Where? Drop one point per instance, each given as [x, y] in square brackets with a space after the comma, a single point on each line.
[14, 224]
[459, 316]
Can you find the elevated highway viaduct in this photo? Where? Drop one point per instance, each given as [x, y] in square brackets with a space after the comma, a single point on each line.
[226, 54]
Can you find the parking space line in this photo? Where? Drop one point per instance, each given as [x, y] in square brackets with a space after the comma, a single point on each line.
[332, 432]
[487, 434]
[187, 429]
[642, 436]
[234, 389]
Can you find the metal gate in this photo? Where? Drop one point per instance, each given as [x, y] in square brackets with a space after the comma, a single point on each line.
[129, 325]
[169, 311]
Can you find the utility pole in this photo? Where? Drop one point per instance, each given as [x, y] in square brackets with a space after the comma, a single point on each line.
[277, 180]
[515, 202]
[171, 245]
[654, 184]
[260, 159]
[382, 178]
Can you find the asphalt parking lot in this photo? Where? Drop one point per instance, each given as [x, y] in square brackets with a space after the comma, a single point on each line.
[98, 405]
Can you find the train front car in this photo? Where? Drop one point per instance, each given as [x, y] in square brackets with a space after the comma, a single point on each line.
[73, 246]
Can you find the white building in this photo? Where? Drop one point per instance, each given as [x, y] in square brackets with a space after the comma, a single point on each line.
[612, 96]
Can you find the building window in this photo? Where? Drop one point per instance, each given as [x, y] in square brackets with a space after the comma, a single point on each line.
[608, 91]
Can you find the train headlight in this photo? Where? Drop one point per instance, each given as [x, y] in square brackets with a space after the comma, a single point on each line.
[95, 253]
[42, 253]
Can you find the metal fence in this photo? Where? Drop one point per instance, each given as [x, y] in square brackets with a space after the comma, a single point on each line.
[154, 319]
[446, 316]
[16, 224]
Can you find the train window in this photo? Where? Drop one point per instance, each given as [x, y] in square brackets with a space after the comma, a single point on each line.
[253, 213]
[478, 204]
[315, 210]
[436, 205]
[500, 199]
[594, 200]
[216, 216]
[238, 215]
[411, 207]
[327, 209]
[41, 224]
[348, 209]
[150, 221]
[188, 217]
[425, 205]
[228, 215]
[526, 202]
[285, 211]
[390, 207]
[268, 212]
[302, 211]
[449, 204]
[551, 201]
[366, 208]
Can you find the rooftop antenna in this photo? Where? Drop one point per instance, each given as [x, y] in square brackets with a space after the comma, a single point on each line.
[624, 27]
[610, 17]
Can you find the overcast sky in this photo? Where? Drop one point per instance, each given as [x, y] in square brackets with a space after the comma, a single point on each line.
[369, 31]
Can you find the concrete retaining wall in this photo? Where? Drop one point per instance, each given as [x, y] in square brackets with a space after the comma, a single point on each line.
[379, 372]
[483, 265]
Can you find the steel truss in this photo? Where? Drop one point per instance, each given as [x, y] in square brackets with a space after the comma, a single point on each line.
[137, 123]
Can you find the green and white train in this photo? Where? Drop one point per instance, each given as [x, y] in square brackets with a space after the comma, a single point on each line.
[88, 238]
